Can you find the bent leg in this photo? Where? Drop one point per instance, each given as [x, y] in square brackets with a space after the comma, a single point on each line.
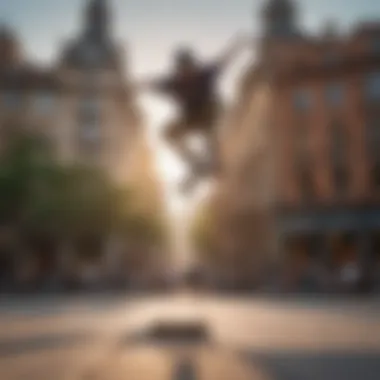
[176, 134]
[213, 156]
[210, 131]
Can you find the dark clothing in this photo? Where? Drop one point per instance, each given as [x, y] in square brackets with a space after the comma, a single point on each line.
[197, 99]
[195, 96]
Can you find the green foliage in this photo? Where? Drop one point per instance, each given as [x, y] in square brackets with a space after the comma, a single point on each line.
[39, 197]
[144, 229]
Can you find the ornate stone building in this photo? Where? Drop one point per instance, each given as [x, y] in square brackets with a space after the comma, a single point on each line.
[83, 104]
[301, 154]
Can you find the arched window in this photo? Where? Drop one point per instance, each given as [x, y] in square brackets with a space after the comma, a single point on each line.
[303, 161]
[339, 158]
[335, 94]
[373, 148]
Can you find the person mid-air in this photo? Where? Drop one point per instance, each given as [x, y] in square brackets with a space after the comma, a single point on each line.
[193, 88]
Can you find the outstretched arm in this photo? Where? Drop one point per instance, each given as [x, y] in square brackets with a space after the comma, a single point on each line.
[233, 49]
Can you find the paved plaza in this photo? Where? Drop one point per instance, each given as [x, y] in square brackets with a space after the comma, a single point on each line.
[64, 338]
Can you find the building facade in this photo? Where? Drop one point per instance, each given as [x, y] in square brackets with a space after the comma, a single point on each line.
[302, 149]
[85, 107]
[83, 104]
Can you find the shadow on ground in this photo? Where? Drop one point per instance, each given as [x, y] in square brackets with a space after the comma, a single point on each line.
[333, 365]
[163, 332]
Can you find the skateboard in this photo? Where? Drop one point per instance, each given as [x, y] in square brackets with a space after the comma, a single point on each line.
[198, 174]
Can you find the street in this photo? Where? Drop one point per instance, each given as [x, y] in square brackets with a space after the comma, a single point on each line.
[92, 337]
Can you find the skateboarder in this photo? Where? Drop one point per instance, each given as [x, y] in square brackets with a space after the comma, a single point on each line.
[192, 86]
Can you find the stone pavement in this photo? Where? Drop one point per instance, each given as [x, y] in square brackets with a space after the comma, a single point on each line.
[251, 338]
[152, 363]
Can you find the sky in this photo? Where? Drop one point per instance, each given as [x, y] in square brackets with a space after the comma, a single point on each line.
[148, 30]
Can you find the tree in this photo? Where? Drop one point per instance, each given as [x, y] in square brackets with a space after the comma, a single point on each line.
[46, 204]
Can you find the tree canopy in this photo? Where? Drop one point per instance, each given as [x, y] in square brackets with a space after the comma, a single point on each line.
[41, 197]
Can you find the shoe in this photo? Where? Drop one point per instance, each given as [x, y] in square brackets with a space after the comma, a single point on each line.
[201, 168]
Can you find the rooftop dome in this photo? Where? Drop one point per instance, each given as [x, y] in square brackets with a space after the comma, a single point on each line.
[279, 18]
[95, 47]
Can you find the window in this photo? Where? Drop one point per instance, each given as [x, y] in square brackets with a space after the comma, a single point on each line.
[338, 144]
[373, 86]
[339, 158]
[332, 58]
[305, 180]
[90, 105]
[90, 133]
[373, 144]
[44, 103]
[376, 45]
[12, 100]
[303, 161]
[375, 175]
[373, 140]
[335, 94]
[89, 126]
[302, 100]
[302, 142]
[341, 179]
